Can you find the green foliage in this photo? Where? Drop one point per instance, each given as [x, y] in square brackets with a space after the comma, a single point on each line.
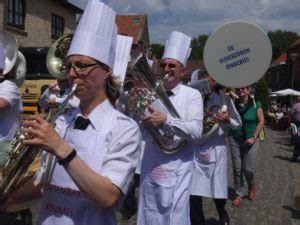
[197, 45]
[281, 40]
[157, 50]
[262, 94]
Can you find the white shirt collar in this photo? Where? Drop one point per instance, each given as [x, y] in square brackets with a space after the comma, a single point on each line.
[97, 116]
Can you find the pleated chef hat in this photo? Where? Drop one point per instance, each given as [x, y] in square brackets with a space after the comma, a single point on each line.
[122, 58]
[178, 47]
[96, 33]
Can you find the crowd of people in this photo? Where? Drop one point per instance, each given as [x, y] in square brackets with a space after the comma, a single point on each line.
[89, 160]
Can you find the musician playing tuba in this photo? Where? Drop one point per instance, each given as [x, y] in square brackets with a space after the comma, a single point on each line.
[210, 161]
[93, 150]
[165, 178]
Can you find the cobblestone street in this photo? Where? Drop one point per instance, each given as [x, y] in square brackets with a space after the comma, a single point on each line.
[275, 182]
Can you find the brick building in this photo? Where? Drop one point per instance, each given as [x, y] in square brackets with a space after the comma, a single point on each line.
[293, 64]
[37, 23]
[135, 26]
[276, 76]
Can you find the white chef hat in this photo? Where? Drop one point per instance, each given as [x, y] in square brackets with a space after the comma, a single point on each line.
[96, 33]
[178, 47]
[122, 58]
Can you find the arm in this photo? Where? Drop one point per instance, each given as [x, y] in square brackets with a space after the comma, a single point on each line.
[44, 97]
[234, 118]
[4, 104]
[100, 188]
[260, 123]
[31, 190]
[190, 127]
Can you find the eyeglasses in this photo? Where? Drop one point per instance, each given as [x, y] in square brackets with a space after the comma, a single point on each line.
[79, 67]
[170, 65]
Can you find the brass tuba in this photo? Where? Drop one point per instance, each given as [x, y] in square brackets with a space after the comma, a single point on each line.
[144, 91]
[21, 156]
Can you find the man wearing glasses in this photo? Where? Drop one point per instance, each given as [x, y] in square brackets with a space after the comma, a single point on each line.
[165, 178]
[94, 150]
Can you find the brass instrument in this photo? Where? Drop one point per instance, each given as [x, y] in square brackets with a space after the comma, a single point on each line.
[21, 156]
[145, 91]
[210, 125]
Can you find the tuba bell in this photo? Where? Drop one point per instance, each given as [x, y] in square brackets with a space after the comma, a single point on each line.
[10, 50]
[144, 91]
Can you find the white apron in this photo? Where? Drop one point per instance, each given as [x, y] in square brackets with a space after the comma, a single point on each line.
[62, 202]
[210, 162]
[210, 171]
[165, 184]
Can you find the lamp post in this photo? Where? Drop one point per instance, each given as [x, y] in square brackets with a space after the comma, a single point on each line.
[293, 57]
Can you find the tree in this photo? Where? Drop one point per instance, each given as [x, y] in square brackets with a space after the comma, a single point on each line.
[281, 40]
[197, 46]
[262, 94]
[157, 50]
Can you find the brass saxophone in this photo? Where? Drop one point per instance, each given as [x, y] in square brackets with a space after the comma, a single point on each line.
[21, 156]
[144, 91]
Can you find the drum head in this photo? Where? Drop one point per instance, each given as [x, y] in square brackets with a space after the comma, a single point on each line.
[237, 54]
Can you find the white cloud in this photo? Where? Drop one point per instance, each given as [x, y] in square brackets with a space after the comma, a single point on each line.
[197, 17]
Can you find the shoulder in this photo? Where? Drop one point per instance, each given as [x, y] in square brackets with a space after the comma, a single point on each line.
[190, 92]
[258, 104]
[124, 121]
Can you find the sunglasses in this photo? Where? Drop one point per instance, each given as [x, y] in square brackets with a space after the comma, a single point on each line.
[170, 65]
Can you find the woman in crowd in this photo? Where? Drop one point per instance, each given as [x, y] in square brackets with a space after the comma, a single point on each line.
[244, 143]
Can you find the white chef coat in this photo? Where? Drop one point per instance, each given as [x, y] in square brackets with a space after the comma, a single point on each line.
[210, 161]
[9, 117]
[109, 146]
[165, 179]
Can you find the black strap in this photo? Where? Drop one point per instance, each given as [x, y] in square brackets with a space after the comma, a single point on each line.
[169, 93]
[81, 123]
[68, 159]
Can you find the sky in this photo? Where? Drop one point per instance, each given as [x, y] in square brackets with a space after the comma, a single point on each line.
[196, 17]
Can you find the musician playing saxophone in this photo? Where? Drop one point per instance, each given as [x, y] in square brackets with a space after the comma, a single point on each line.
[210, 161]
[165, 178]
[93, 152]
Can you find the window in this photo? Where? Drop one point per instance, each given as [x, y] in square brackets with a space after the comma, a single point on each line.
[58, 26]
[135, 21]
[15, 14]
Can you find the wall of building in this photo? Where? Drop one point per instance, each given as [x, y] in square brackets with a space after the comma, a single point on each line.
[37, 31]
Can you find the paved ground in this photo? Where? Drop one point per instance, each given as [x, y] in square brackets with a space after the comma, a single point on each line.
[275, 185]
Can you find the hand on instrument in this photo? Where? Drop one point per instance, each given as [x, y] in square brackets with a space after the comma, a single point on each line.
[222, 117]
[155, 118]
[44, 134]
